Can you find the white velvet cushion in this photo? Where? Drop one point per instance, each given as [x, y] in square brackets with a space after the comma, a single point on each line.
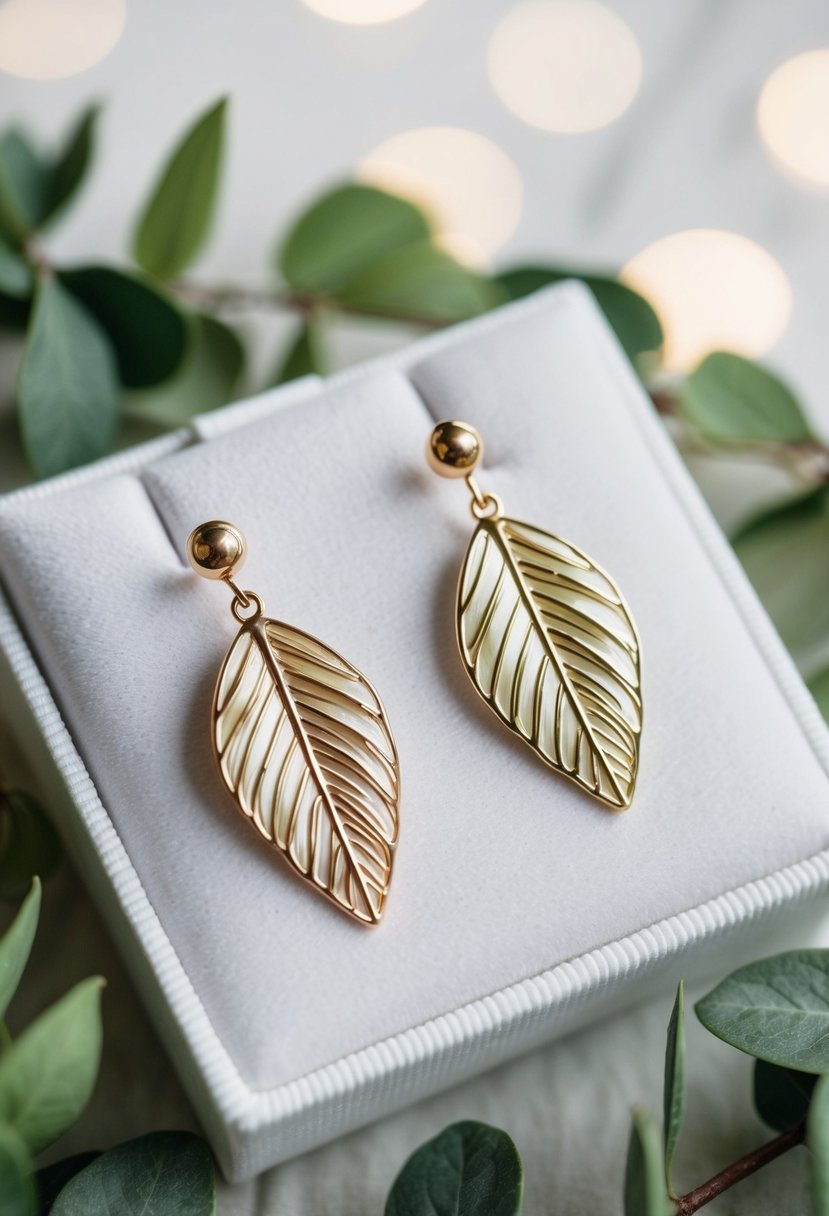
[503, 869]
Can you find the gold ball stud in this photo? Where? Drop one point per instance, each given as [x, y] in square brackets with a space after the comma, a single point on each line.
[216, 549]
[455, 449]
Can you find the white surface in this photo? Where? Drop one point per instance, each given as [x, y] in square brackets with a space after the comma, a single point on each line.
[365, 553]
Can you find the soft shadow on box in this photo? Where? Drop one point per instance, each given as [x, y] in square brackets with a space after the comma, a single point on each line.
[519, 907]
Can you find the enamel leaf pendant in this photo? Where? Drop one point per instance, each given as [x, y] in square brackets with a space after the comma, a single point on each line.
[546, 638]
[303, 745]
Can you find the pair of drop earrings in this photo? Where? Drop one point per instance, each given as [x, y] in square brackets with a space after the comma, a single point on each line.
[301, 738]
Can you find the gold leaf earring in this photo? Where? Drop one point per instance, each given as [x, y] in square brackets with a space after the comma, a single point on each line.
[545, 637]
[302, 743]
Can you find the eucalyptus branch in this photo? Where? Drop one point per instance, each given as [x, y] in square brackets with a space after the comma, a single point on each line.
[806, 459]
[740, 1169]
[307, 304]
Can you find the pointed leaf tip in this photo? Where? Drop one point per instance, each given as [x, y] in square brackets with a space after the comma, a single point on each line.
[674, 1092]
[16, 945]
[645, 1192]
[176, 220]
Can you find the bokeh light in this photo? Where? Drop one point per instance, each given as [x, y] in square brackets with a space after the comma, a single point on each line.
[793, 116]
[468, 186]
[362, 12]
[564, 65]
[713, 290]
[48, 39]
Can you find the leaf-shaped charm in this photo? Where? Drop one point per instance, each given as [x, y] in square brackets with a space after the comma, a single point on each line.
[304, 747]
[551, 647]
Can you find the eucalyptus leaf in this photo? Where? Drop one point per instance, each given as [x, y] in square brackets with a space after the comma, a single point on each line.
[177, 218]
[781, 1095]
[72, 164]
[781, 552]
[819, 688]
[470, 1169]
[731, 399]
[674, 1090]
[207, 377]
[632, 318]
[17, 1191]
[776, 1009]
[51, 1179]
[645, 1193]
[304, 356]
[343, 234]
[420, 282]
[47, 1075]
[68, 396]
[29, 844]
[15, 276]
[817, 1139]
[146, 327]
[16, 945]
[163, 1173]
[24, 186]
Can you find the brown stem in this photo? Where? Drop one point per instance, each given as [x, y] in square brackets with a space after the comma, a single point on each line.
[739, 1170]
[306, 303]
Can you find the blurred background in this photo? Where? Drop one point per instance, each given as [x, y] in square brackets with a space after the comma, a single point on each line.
[597, 136]
[683, 144]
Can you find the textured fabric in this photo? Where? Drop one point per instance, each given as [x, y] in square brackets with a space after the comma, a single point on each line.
[503, 869]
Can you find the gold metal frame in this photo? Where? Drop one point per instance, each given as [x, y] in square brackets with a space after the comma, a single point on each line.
[546, 638]
[303, 745]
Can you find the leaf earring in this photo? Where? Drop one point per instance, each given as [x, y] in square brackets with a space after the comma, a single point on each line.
[302, 743]
[545, 637]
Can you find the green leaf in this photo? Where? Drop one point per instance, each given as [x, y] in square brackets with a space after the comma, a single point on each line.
[344, 233]
[645, 1172]
[420, 281]
[776, 1009]
[16, 945]
[17, 1190]
[51, 1179]
[24, 186]
[781, 1095]
[145, 326]
[304, 356]
[71, 166]
[470, 1169]
[177, 219]
[163, 1173]
[207, 378]
[29, 844]
[632, 318]
[819, 688]
[732, 400]
[47, 1075]
[15, 276]
[68, 395]
[674, 1091]
[817, 1139]
[783, 553]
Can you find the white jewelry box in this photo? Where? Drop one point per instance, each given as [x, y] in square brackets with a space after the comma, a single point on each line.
[519, 907]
